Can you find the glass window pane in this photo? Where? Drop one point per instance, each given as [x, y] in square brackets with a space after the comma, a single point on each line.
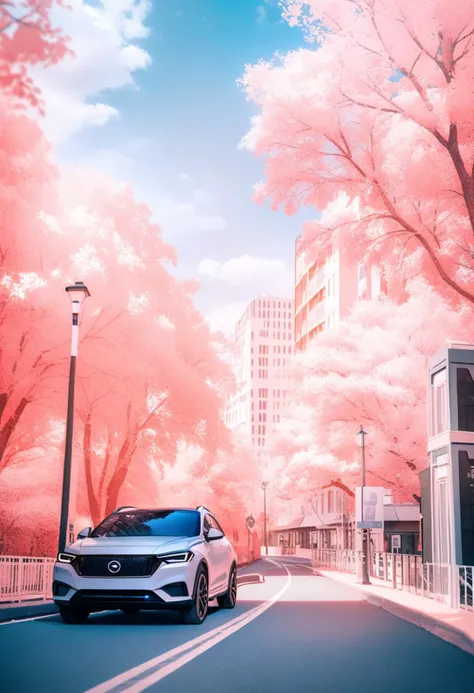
[152, 523]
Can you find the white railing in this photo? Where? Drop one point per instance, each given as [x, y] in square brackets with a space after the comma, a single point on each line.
[452, 585]
[25, 578]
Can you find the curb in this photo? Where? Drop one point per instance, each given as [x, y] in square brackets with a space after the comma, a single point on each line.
[441, 630]
[252, 578]
[22, 611]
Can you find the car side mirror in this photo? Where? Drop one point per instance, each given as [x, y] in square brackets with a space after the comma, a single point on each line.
[84, 533]
[213, 534]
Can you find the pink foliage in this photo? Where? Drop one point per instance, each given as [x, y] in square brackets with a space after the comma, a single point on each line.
[376, 120]
[27, 37]
[370, 370]
[149, 377]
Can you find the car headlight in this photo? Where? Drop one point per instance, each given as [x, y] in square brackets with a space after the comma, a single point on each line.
[66, 557]
[181, 557]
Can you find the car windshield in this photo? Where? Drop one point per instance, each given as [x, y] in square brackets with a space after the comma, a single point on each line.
[150, 523]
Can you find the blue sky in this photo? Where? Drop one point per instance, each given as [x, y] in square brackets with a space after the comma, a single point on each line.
[169, 119]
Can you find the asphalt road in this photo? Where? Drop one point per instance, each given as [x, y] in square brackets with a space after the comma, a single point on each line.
[295, 632]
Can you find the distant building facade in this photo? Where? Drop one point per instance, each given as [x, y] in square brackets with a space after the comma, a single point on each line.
[329, 523]
[326, 290]
[263, 347]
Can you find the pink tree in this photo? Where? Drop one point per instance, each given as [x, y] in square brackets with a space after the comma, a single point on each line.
[376, 122]
[27, 37]
[149, 376]
[370, 370]
[29, 293]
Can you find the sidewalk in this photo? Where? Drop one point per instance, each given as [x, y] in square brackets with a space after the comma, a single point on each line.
[456, 627]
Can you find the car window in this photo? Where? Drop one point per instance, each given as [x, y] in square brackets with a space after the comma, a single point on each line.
[207, 522]
[213, 523]
[150, 523]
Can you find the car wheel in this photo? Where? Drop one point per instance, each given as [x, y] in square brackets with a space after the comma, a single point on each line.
[198, 612]
[229, 599]
[73, 614]
[130, 610]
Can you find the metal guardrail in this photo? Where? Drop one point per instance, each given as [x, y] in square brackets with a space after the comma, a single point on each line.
[451, 585]
[25, 578]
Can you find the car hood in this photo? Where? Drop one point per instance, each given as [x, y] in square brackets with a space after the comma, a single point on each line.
[131, 545]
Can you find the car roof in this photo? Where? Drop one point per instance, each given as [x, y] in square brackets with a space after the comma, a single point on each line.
[157, 510]
[154, 510]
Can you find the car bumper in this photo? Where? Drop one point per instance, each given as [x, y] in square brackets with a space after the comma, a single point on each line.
[170, 587]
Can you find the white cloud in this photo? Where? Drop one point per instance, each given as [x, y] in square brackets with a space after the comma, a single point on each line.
[184, 177]
[202, 197]
[103, 38]
[257, 274]
[261, 14]
[185, 216]
[113, 163]
[225, 319]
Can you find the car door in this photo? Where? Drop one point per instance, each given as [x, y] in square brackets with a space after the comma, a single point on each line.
[211, 553]
[223, 556]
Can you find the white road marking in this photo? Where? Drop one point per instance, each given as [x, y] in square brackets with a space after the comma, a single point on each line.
[126, 682]
[23, 620]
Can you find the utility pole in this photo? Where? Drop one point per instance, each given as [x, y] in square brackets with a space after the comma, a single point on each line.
[365, 532]
[264, 488]
[77, 293]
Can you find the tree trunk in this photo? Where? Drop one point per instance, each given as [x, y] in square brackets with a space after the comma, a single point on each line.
[93, 504]
[9, 427]
[118, 477]
[3, 403]
[343, 486]
[465, 178]
[105, 469]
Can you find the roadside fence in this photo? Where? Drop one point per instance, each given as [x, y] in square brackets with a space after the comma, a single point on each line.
[451, 585]
[25, 578]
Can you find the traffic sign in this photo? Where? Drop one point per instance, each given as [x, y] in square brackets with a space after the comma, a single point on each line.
[250, 522]
[396, 541]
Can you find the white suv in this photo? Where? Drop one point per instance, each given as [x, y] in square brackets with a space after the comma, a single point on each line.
[147, 559]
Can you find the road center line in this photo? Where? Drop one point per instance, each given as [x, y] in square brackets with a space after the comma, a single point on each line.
[126, 683]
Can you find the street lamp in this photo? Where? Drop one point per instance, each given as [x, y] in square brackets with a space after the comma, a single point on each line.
[77, 293]
[264, 489]
[365, 532]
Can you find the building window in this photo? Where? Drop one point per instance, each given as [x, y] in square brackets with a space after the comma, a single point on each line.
[330, 502]
[439, 404]
[465, 388]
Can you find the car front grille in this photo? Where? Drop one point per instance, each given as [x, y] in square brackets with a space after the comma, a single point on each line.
[106, 566]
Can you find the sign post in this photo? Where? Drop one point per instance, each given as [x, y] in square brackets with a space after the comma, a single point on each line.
[250, 522]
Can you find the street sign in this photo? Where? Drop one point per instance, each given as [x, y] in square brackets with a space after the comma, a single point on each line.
[396, 541]
[250, 522]
[372, 505]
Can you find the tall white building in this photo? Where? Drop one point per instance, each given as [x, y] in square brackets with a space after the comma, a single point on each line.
[263, 346]
[326, 290]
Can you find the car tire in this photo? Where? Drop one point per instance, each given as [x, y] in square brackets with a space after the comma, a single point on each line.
[198, 611]
[73, 614]
[129, 610]
[229, 599]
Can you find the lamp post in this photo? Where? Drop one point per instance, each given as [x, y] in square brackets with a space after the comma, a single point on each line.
[264, 488]
[365, 532]
[77, 293]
